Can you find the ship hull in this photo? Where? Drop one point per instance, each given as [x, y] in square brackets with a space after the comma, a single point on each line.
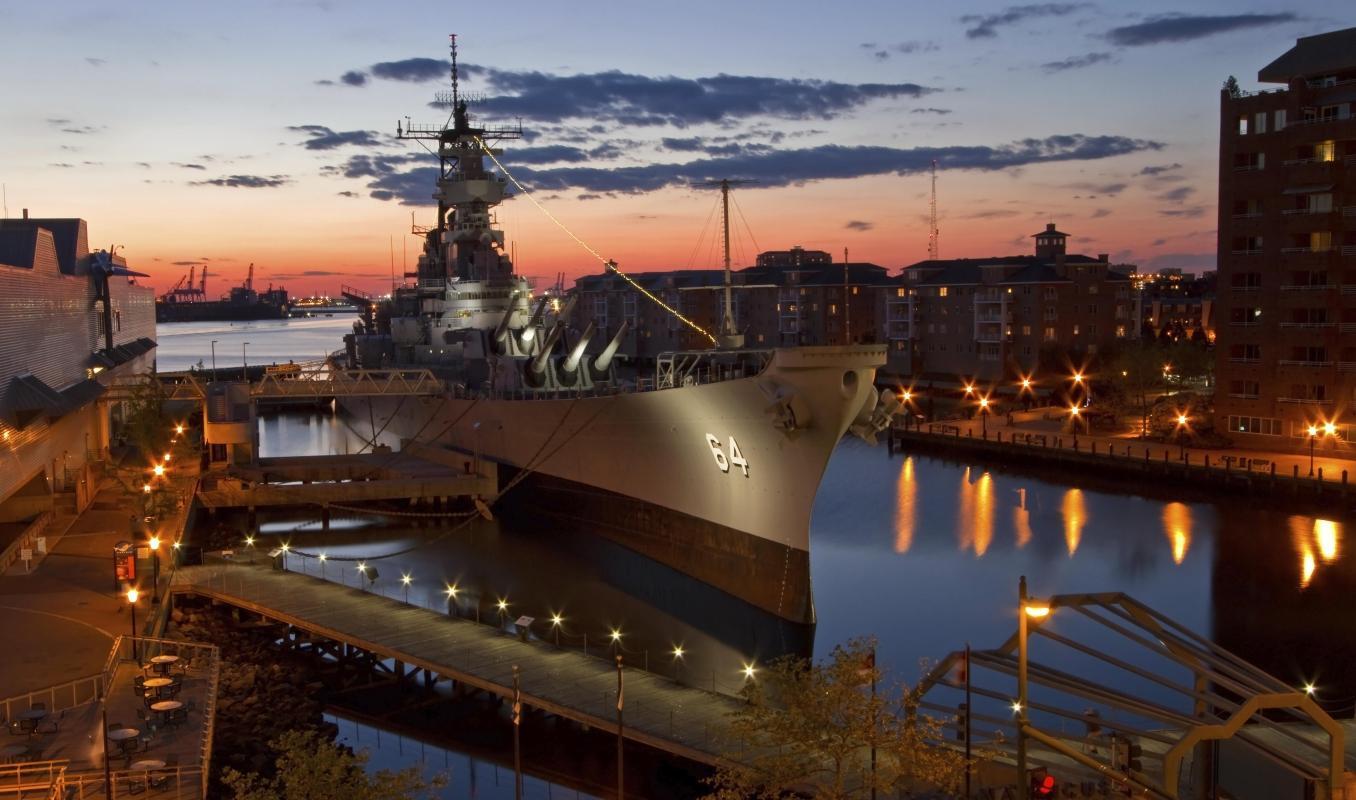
[213, 311]
[708, 479]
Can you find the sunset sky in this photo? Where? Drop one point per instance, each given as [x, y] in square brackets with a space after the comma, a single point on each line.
[263, 131]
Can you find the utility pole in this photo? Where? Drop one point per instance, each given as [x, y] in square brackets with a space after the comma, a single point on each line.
[932, 216]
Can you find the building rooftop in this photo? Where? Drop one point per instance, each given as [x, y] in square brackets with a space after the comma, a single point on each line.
[1323, 54]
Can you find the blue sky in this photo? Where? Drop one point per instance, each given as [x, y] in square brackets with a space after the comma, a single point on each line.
[181, 131]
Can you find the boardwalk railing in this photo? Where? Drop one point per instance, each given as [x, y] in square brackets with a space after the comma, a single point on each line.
[56, 698]
[44, 779]
[54, 780]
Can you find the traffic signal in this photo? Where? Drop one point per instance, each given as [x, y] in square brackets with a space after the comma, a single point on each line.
[1042, 783]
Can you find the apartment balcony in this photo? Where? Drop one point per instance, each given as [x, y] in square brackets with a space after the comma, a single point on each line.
[1244, 360]
[1248, 215]
[1308, 401]
[1248, 168]
[1287, 362]
[1307, 287]
[1256, 252]
[1348, 250]
[1245, 288]
[1347, 327]
[1296, 250]
[991, 338]
[1290, 212]
[1245, 323]
[1240, 396]
[1308, 325]
[1346, 366]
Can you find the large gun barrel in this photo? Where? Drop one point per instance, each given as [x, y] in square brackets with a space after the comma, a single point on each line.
[501, 332]
[536, 368]
[530, 332]
[571, 364]
[604, 359]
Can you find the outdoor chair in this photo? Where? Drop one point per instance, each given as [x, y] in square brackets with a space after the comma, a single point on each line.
[53, 724]
[139, 683]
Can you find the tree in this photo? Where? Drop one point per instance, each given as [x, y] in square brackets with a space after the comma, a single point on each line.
[145, 424]
[1137, 371]
[312, 768]
[811, 727]
[1231, 87]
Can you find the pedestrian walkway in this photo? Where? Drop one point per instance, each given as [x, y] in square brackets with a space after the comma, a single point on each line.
[658, 712]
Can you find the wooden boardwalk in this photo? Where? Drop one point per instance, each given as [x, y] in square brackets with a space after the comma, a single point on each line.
[658, 712]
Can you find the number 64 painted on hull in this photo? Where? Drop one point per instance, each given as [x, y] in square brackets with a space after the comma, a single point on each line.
[736, 458]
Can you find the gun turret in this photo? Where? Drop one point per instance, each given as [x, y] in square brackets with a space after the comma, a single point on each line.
[530, 332]
[535, 369]
[569, 369]
[604, 359]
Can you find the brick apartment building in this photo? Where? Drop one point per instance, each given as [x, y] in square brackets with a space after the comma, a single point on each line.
[992, 319]
[789, 297]
[1177, 305]
[1287, 248]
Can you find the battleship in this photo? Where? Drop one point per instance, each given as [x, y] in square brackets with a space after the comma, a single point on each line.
[709, 466]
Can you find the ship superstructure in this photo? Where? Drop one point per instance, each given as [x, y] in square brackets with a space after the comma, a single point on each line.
[710, 466]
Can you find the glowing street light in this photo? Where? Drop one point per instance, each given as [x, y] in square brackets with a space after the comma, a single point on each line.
[405, 582]
[167, 456]
[132, 595]
[1073, 421]
[322, 558]
[179, 429]
[154, 544]
[1313, 435]
[749, 670]
[1309, 689]
[146, 488]
[984, 416]
[1182, 420]
[678, 651]
[158, 470]
[1033, 610]
[556, 621]
[969, 389]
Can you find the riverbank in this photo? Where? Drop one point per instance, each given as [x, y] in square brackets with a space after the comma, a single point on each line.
[1109, 462]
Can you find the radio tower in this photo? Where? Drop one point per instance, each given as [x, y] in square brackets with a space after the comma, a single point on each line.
[932, 216]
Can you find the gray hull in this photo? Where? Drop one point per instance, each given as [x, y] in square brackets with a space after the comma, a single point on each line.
[642, 468]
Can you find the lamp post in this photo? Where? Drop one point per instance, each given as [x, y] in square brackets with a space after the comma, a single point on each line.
[214, 361]
[556, 621]
[1035, 611]
[905, 398]
[1313, 434]
[243, 361]
[678, 652]
[155, 569]
[1182, 420]
[1073, 421]
[132, 595]
[984, 416]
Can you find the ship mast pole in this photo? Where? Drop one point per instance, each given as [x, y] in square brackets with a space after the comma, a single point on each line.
[725, 223]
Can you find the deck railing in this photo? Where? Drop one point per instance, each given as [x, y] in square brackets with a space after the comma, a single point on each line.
[60, 697]
[24, 540]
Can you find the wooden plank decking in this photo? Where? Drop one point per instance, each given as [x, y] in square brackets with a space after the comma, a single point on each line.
[660, 713]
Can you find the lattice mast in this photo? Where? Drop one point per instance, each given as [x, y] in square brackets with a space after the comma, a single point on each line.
[728, 330]
[932, 216]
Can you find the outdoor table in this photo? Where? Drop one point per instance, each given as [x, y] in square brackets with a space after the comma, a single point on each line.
[143, 766]
[28, 720]
[157, 684]
[161, 664]
[164, 707]
[123, 734]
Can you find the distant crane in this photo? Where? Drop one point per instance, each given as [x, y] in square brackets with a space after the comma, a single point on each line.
[249, 279]
[932, 216]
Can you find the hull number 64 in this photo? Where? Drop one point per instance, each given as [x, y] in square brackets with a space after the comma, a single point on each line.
[723, 461]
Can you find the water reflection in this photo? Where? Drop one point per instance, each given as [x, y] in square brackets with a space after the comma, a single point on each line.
[1075, 517]
[974, 520]
[1309, 534]
[1177, 527]
[1021, 520]
[906, 511]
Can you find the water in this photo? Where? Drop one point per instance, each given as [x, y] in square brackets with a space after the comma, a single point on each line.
[183, 345]
[922, 553]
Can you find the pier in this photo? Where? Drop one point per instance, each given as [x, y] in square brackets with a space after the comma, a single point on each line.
[350, 624]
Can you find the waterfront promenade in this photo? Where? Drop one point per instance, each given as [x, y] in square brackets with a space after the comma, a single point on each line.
[658, 712]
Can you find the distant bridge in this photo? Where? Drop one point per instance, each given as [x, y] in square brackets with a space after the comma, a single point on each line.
[311, 381]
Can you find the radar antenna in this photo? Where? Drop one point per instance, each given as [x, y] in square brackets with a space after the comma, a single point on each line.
[932, 216]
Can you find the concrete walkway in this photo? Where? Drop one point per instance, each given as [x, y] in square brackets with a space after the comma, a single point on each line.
[1331, 456]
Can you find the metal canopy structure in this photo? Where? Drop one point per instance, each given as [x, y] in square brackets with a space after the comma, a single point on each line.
[307, 381]
[1159, 695]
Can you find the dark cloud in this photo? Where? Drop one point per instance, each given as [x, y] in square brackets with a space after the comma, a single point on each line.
[185, 263]
[992, 213]
[1101, 188]
[347, 193]
[1177, 195]
[62, 165]
[985, 26]
[1154, 171]
[1184, 28]
[640, 100]
[1099, 213]
[1185, 213]
[66, 126]
[588, 196]
[96, 62]
[546, 154]
[353, 78]
[1075, 62]
[322, 138]
[883, 52]
[686, 144]
[246, 181]
[930, 111]
[413, 70]
[187, 166]
[859, 225]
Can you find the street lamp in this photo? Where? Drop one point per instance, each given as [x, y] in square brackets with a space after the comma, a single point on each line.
[984, 416]
[1313, 434]
[556, 621]
[155, 569]
[1182, 420]
[969, 389]
[132, 595]
[677, 653]
[214, 361]
[405, 581]
[158, 470]
[322, 558]
[905, 398]
[246, 364]
[1073, 421]
[1034, 611]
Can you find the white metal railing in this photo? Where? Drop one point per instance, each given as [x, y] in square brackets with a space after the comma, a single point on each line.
[1346, 366]
[1349, 211]
[1246, 288]
[1307, 249]
[1247, 215]
[25, 540]
[1244, 323]
[1302, 400]
[1307, 324]
[1242, 396]
[1244, 360]
[1347, 327]
[1293, 211]
[1290, 362]
[1248, 168]
[1349, 249]
[60, 697]
[1307, 287]
[1248, 252]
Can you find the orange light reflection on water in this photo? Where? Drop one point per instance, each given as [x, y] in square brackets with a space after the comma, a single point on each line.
[906, 507]
[1075, 513]
[1315, 541]
[1177, 527]
[1021, 520]
[983, 514]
